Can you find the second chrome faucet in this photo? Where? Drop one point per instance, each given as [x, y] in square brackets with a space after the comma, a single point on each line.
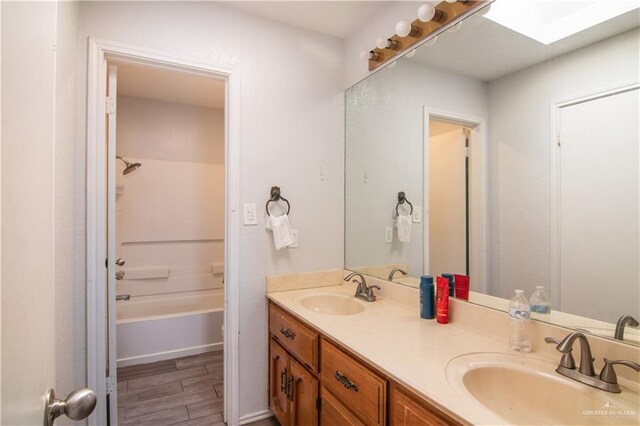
[364, 291]
[606, 381]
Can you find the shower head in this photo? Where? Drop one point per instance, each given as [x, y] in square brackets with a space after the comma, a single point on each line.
[129, 166]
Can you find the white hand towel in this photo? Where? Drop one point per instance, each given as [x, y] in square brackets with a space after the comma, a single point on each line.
[403, 223]
[279, 225]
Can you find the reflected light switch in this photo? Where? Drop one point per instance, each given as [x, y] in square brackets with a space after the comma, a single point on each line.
[417, 214]
[250, 214]
[388, 234]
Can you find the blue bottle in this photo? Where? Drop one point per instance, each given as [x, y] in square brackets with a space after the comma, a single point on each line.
[427, 298]
[451, 286]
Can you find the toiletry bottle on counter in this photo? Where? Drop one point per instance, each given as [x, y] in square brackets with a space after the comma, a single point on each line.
[427, 305]
[462, 287]
[540, 304]
[519, 313]
[442, 300]
[451, 283]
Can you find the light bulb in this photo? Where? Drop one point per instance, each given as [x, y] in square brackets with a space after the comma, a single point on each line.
[431, 42]
[381, 43]
[455, 28]
[411, 54]
[426, 11]
[403, 28]
[451, 1]
[364, 55]
[392, 65]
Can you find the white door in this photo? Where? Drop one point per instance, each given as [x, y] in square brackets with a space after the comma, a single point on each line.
[28, 252]
[112, 96]
[447, 203]
[598, 216]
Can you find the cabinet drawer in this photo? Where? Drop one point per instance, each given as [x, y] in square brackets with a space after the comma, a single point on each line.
[334, 413]
[296, 337]
[353, 384]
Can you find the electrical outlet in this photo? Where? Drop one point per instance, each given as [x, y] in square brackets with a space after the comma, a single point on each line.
[294, 234]
[388, 234]
[417, 214]
[250, 214]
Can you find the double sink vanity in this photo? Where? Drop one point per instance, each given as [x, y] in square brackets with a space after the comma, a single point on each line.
[338, 360]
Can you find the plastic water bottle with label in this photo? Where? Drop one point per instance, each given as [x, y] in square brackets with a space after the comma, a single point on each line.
[519, 314]
[540, 304]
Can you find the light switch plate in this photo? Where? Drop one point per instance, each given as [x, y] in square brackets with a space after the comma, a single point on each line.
[250, 214]
[417, 214]
[294, 244]
[388, 234]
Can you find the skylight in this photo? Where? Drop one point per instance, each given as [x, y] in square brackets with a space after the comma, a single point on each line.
[548, 21]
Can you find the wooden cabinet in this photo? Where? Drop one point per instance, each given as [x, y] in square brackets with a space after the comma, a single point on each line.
[407, 410]
[354, 384]
[334, 413]
[314, 381]
[293, 391]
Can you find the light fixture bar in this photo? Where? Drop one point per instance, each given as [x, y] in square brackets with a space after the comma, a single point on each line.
[445, 14]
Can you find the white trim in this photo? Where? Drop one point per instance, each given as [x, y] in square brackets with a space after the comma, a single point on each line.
[175, 353]
[477, 191]
[554, 179]
[99, 51]
[254, 417]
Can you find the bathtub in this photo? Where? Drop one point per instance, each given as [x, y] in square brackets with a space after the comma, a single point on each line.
[155, 328]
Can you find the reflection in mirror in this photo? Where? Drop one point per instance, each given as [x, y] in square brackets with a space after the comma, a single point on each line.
[519, 153]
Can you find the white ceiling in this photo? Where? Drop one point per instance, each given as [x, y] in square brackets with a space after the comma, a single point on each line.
[170, 86]
[335, 18]
[485, 50]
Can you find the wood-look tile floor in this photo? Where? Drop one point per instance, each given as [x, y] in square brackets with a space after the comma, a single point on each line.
[183, 391]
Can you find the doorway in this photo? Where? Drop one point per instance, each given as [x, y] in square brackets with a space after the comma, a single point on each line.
[176, 205]
[455, 196]
[169, 243]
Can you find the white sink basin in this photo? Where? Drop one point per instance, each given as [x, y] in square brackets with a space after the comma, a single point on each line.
[332, 304]
[524, 390]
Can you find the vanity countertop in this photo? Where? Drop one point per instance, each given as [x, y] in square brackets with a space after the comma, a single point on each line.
[414, 352]
[393, 338]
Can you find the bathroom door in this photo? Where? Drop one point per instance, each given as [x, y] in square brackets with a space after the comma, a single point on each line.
[112, 388]
[598, 206]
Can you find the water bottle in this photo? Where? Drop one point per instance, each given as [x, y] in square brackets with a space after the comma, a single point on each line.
[540, 304]
[519, 313]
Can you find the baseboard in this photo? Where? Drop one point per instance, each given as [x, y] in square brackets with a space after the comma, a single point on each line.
[254, 417]
[176, 353]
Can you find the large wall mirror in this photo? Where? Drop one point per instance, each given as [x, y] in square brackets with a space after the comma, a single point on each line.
[508, 153]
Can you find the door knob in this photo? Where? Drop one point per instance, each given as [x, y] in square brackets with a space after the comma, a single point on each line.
[78, 405]
[120, 261]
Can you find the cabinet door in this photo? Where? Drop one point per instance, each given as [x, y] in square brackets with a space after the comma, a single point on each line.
[304, 394]
[407, 412]
[333, 413]
[278, 375]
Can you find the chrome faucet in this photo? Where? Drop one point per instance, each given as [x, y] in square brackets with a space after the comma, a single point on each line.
[393, 271]
[606, 381]
[363, 291]
[622, 323]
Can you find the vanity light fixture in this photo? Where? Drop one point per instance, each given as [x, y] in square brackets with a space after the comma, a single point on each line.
[388, 43]
[455, 27]
[405, 29]
[431, 21]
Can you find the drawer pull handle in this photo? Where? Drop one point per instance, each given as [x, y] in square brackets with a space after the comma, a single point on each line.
[287, 333]
[346, 382]
[290, 388]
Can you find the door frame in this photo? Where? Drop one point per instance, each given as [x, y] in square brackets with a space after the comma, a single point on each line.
[477, 190]
[101, 50]
[555, 140]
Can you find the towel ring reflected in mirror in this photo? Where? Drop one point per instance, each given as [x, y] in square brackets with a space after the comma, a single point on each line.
[275, 196]
[401, 200]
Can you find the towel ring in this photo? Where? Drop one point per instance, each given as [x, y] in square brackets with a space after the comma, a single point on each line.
[275, 196]
[401, 200]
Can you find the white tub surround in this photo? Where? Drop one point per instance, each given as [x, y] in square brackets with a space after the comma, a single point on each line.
[390, 335]
[155, 328]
